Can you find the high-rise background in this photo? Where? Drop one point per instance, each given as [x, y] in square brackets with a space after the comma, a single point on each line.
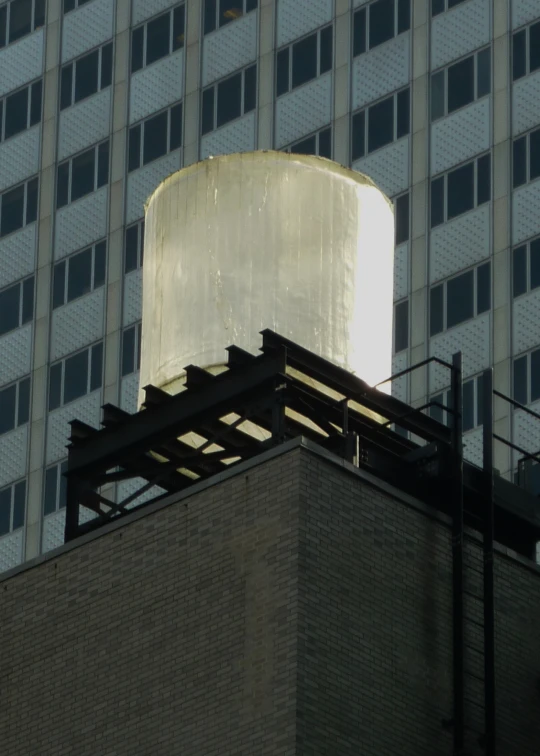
[439, 102]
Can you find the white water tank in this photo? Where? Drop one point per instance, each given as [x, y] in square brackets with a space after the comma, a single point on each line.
[239, 243]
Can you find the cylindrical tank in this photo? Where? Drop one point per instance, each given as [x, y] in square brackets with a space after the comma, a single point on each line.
[243, 242]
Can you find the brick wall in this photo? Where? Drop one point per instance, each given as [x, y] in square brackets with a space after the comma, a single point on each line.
[290, 609]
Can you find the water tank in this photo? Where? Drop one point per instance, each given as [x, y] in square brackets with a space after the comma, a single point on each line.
[243, 242]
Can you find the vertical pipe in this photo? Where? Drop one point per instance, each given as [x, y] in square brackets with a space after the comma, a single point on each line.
[489, 599]
[457, 556]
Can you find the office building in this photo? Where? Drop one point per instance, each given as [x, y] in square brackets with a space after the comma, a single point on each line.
[439, 102]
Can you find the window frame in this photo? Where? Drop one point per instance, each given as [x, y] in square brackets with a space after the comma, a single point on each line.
[29, 213]
[62, 385]
[208, 11]
[290, 59]
[435, 182]
[365, 11]
[399, 201]
[140, 128]
[363, 114]
[443, 286]
[144, 27]
[65, 265]
[526, 358]
[60, 487]
[69, 163]
[444, 71]
[525, 140]
[29, 108]
[139, 251]
[526, 250]
[326, 130]
[34, 23]
[527, 52]
[23, 284]
[214, 87]
[444, 397]
[72, 66]
[136, 330]
[75, 5]
[404, 307]
[14, 488]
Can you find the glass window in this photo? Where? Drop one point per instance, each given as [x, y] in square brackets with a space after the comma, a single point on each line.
[437, 6]
[75, 376]
[82, 174]
[461, 84]
[8, 397]
[534, 155]
[62, 185]
[519, 271]
[128, 351]
[359, 32]
[402, 218]
[96, 367]
[403, 115]
[483, 288]
[103, 164]
[358, 135]
[3, 25]
[381, 22]
[100, 254]
[404, 16]
[304, 60]
[51, 484]
[157, 38]
[178, 27]
[534, 47]
[460, 299]
[19, 505]
[437, 95]
[20, 19]
[480, 400]
[229, 99]
[381, 124]
[66, 85]
[5, 511]
[23, 412]
[55, 386]
[460, 190]
[306, 146]
[137, 49]
[483, 72]
[437, 201]
[520, 380]
[229, 10]
[468, 405]
[208, 110]
[250, 89]
[436, 323]
[535, 263]
[519, 60]
[86, 75]
[176, 127]
[134, 148]
[155, 137]
[401, 326]
[16, 113]
[519, 162]
[80, 275]
[9, 308]
[28, 300]
[31, 200]
[326, 54]
[59, 284]
[325, 143]
[282, 72]
[483, 179]
[535, 375]
[131, 259]
[12, 213]
[106, 66]
[35, 107]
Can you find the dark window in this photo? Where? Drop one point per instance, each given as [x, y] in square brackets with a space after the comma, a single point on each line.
[103, 164]
[358, 135]
[75, 376]
[282, 72]
[460, 190]
[359, 32]
[534, 47]
[86, 75]
[403, 113]
[306, 146]
[155, 137]
[437, 201]
[62, 185]
[483, 72]
[179, 24]
[176, 127]
[520, 380]
[468, 405]
[222, 12]
[82, 174]
[106, 66]
[27, 300]
[96, 373]
[437, 95]
[519, 162]
[381, 124]
[460, 84]
[100, 255]
[51, 488]
[23, 410]
[404, 16]
[157, 38]
[534, 154]
[250, 89]
[381, 22]
[483, 288]
[535, 375]
[304, 61]
[210, 7]
[66, 85]
[535, 263]
[460, 299]
[5, 511]
[137, 49]
[19, 505]
[55, 386]
[401, 326]
[436, 313]
[59, 284]
[519, 59]
[16, 119]
[134, 246]
[128, 351]
[9, 308]
[8, 398]
[229, 99]
[35, 104]
[80, 274]
[3, 25]
[519, 271]
[134, 148]
[483, 190]
[326, 53]
[402, 218]
[20, 19]
[207, 111]
[437, 6]
[12, 213]
[325, 143]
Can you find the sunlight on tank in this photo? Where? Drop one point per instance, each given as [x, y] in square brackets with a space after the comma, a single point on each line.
[239, 243]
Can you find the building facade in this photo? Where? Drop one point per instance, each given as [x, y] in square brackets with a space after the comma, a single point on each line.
[438, 101]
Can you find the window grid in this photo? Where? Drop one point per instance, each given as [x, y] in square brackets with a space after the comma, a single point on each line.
[68, 188]
[145, 36]
[526, 51]
[14, 405]
[526, 377]
[472, 404]
[218, 13]
[12, 507]
[140, 137]
[289, 64]
[402, 218]
[134, 246]
[378, 22]
[73, 74]
[18, 206]
[369, 133]
[318, 143]
[526, 267]
[79, 274]
[401, 326]
[55, 489]
[475, 175]
[70, 5]
[131, 349]
[440, 6]
[20, 110]
[14, 24]
[470, 296]
[16, 305]
[89, 363]
[479, 86]
[212, 116]
[526, 158]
